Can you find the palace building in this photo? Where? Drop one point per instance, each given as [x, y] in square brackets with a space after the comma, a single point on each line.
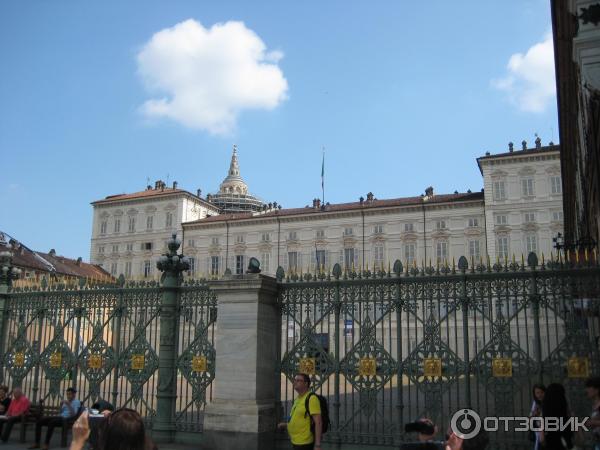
[518, 211]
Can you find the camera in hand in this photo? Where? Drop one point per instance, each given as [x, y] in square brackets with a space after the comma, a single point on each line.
[419, 427]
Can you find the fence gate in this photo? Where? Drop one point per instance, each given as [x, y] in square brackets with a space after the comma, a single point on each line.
[104, 340]
[389, 347]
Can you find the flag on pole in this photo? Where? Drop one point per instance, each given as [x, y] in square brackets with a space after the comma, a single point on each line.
[323, 170]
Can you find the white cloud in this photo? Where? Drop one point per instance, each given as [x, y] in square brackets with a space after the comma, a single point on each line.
[530, 83]
[203, 78]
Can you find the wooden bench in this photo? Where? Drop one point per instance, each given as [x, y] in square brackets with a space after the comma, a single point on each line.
[39, 410]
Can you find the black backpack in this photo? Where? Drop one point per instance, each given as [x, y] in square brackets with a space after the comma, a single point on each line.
[324, 413]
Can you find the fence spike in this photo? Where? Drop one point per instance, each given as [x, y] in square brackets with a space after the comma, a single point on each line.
[542, 258]
[567, 256]
[576, 256]
[586, 255]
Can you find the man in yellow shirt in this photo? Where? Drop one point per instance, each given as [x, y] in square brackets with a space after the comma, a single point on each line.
[299, 425]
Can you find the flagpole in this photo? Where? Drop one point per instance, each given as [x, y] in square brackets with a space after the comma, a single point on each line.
[323, 177]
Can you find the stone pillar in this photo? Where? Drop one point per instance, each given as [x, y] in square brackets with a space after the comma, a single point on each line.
[247, 381]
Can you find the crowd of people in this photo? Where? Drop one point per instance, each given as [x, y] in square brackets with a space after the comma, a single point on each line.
[101, 427]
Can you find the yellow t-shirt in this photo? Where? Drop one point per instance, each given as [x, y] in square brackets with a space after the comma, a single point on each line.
[299, 426]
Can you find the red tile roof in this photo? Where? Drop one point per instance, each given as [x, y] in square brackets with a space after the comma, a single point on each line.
[404, 201]
[148, 193]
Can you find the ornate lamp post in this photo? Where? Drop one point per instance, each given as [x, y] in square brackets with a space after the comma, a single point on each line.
[8, 272]
[172, 265]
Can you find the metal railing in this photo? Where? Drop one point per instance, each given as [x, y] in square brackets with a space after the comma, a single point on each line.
[388, 347]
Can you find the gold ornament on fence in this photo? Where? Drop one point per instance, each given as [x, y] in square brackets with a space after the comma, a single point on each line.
[367, 367]
[307, 366]
[55, 360]
[199, 363]
[432, 367]
[137, 362]
[502, 367]
[19, 360]
[578, 367]
[95, 361]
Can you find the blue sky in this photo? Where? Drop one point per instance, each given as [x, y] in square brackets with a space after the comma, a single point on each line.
[96, 97]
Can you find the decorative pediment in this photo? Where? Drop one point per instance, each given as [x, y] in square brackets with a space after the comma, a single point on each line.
[118, 212]
[440, 234]
[553, 170]
[527, 170]
[502, 229]
[349, 241]
[240, 247]
[409, 237]
[472, 232]
[320, 242]
[530, 226]
[104, 215]
[170, 207]
[498, 173]
[150, 209]
[132, 212]
[265, 246]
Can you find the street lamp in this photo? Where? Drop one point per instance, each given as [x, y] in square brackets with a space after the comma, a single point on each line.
[8, 272]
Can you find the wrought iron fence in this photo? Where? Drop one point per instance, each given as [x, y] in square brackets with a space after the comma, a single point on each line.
[104, 340]
[388, 347]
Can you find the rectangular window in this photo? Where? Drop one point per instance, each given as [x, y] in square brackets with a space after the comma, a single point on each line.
[149, 221]
[128, 269]
[348, 231]
[101, 249]
[192, 269]
[131, 225]
[147, 268]
[473, 222]
[265, 263]
[239, 264]
[441, 252]
[239, 239]
[555, 185]
[502, 247]
[349, 258]
[129, 247]
[191, 243]
[499, 189]
[529, 217]
[113, 269]
[378, 229]
[103, 225]
[169, 220]
[147, 246]
[531, 243]
[557, 216]
[115, 248]
[501, 219]
[320, 234]
[293, 261]
[409, 253]
[215, 241]
[117, 228]
[292, 236]
[214, 265]
[409, 227]
[440, 225]
[474, 250]
[266, 237]
[378, 256]
[320, 259]
[527, 187]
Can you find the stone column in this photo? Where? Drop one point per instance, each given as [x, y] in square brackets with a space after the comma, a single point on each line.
[247, 381]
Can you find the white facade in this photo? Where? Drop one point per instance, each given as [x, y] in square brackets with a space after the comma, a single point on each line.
[519, 211]
[130, 231]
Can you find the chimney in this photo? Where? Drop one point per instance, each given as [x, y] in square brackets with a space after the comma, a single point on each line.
[52, 252]
[78, 261]
[429, 191]
[199, 193]
[174, 184]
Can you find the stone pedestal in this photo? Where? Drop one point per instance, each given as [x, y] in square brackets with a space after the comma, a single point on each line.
[247, 381]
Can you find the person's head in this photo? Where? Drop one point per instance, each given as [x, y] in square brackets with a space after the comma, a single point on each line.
[555, 401]
[479, 442]
[426, 436]
[103, 405]
[71, 393]
[538, 392]
[592, 387]
[3, 391]
[123, 430]
[17, 392]
[301, 383]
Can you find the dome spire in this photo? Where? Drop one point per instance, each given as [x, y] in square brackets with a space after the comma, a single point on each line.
[234, 168]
